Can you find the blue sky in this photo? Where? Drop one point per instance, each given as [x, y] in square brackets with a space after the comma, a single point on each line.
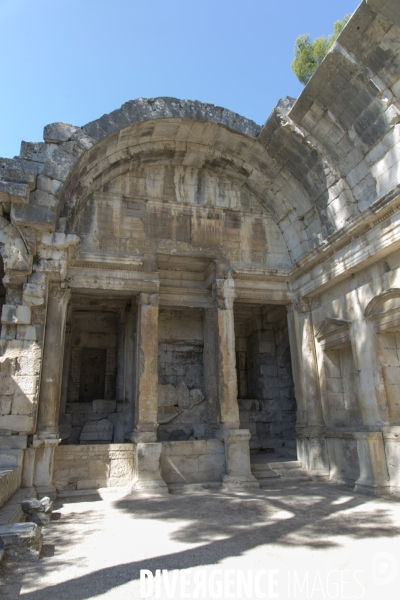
[74, 60]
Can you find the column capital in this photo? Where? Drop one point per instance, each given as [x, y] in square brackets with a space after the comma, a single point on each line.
[223, 291]
[59, 290]
[148, 299]
[300, 304]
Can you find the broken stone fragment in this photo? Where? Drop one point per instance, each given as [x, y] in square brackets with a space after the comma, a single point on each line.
[41, 519]
[21, 541]
[167, 395]
[31, 506]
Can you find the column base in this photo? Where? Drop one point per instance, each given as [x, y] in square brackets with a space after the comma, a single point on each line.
[43, 469]
[374, 477]
[237, 455]
[156, 487]
[148, 467]
[372, 487]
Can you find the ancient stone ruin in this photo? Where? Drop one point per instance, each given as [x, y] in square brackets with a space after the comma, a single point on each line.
[184, 290]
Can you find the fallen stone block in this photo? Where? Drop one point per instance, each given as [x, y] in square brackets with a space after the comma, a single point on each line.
[21, 541]
[32, 506]
[40, 518]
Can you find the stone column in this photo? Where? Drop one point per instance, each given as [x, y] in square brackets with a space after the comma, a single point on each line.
[237, 448]
[311, 447]
[146, 401]
[50, 388]
[144, 435]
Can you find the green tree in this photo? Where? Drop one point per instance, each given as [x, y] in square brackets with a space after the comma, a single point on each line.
[308, 55]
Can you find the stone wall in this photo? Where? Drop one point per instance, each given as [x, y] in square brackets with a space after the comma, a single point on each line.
[176, 202]
[193, 461]
[94, 466]
[181, 387]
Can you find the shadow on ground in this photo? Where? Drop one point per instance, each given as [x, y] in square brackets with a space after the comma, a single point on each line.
[288, 514]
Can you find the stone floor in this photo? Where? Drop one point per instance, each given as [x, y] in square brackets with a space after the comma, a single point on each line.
[323, 539]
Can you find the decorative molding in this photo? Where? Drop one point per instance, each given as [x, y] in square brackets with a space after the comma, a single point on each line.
[384, 310]
[333, 334]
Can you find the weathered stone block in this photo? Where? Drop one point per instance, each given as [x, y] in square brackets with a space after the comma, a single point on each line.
[104, 406]
[23, 404]
[5, 405]
[56, 133]
[38, 217]
[33, 295]
[21, 541]
[97, 431]
[18, 423]
[7, 385]
[14, 192]
[18, 315]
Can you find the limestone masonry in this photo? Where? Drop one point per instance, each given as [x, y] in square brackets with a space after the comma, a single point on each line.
[185, 293]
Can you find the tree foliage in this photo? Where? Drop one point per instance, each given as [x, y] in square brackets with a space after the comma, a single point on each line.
[308, 55]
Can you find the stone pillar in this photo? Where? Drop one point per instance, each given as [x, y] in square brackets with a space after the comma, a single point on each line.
[391, 436]
[311, 447]
[237, 448]
[50, 388]
[144, 434]
[372, 395]
[237, 455]
[121, 425]
[224, 293]
[210, 372]
[146, 401]
[148, 470]
[374, 477]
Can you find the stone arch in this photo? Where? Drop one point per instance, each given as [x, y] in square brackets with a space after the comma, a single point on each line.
[296, 194]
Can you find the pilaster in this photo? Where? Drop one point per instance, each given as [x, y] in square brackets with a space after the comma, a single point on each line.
[146, 401]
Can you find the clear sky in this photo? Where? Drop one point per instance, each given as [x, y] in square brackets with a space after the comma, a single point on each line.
[74, 60]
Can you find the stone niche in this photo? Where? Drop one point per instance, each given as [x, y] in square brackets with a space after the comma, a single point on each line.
[90, 369]
[265, 383]
[181, 394]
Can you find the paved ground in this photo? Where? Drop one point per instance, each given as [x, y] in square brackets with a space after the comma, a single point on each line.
[324, 539]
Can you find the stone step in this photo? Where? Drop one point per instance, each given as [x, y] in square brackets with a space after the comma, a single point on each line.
[190, 488]
[266, 481]
[103, 492]
[289, 469]
[287, 464]
[21, 540]
[11, 511]
[10, 481]
[264, 473]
